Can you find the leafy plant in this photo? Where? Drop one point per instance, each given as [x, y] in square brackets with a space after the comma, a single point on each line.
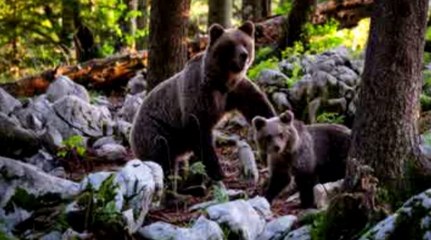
[328, 117]
[198, 168]
[74, 144]
[98, 206]
[220, 194]
[255, 70]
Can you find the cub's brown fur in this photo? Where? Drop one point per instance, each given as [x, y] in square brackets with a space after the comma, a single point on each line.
[311, 153]
[179, 114]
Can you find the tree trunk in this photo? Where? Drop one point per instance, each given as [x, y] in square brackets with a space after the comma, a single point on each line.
[385, 134]
[168, 39]
[251, 10]
[266, 8]
[298, 17]
[69, 12]
[142, 23]
[220, 11]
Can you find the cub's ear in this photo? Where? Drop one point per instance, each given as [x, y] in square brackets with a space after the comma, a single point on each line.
[248, 28]
[216, 30]
[258, 122]
[287, 117]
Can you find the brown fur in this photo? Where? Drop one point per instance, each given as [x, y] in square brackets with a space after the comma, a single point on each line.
[179, 114]
[311, 153]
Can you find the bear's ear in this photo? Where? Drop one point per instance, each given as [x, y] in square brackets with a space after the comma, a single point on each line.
[286, 117]
[216, 30]
[258, 122]
[248, 28]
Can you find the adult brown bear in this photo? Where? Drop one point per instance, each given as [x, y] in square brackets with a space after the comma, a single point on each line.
[179, 114]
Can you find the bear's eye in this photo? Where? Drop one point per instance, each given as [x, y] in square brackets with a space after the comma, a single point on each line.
[280, 135]
[268, 138]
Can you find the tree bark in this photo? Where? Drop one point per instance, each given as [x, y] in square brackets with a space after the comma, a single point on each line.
[292, 27]
[220, 11]
[385, 134]
[168, 39]
[142, 23]
[69, 13]
[252, 10]
[266, 8]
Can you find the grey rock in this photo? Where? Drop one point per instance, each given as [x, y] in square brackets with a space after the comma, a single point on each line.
[142, 184]
[15, 140]
[302, 233]
[202, 229]
[63, 86]
[16, 174]
[104, 140]
[102, 101]
[240, 217]
[249, 167]
[42, 160]
[137, 84]
[412, 217]
[71, 234]
[269, 77]
[122, 130]
[111, 152]
[130, 107]
[53, 235]
[34, 113]
[346, 75]
[281, 101]
[80, 116]
[11, 219]
[51, 138]
[8, 103]
[323, 193]
[278, 227]
[58, 172]
[261, 205]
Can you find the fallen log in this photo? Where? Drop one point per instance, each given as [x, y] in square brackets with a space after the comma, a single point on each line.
[348, 12]
[103, 74]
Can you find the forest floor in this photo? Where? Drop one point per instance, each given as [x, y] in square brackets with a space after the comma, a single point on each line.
[179, 214]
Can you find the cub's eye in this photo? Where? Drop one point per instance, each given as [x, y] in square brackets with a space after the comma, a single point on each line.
[280, 135]
[268, 137]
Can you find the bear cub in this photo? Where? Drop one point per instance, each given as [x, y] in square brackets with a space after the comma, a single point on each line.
[178, 115]
[313, 154]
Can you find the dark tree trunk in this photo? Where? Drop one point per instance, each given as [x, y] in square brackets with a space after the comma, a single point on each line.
[385, 134]
[251, 10]
[142, 23]
[266, 8]
[69, 13]
[167, 40]
[292, 28]
[220, 11]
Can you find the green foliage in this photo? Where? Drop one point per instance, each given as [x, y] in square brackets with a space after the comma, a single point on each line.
[198, 168]
[30, 202]
[329, 117]
[318, 225]
[74, 144]
[99, 205]
[425, 102]
[427, 138]
[255, 70]
[220, 194]
[283, 9]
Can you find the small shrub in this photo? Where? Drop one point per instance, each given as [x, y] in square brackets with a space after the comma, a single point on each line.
[327, 117]
[220, 194]
[255, 70]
